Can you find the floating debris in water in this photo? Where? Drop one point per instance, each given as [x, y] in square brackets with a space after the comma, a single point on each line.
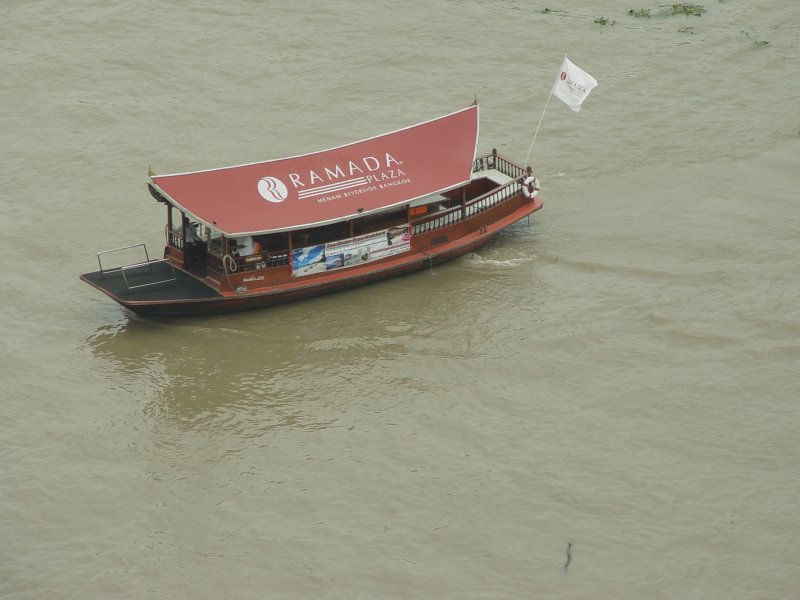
[569, 556]
[691, 10]
[603, 21]
[755, 42]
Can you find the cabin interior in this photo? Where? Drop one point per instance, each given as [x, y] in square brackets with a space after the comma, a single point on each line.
[204, 250]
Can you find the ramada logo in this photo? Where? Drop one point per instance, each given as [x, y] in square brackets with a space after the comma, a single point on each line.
[342, 177]
[574, 87]
[272, 189]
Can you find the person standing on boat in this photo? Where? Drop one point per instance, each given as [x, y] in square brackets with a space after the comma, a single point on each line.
[191, 234]
[186, 232]
[244, 246]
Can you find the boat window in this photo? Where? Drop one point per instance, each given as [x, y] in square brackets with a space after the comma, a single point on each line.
[321, 235]
[376, 222]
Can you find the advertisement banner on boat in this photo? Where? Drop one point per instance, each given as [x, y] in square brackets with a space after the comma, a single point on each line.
[352, 251]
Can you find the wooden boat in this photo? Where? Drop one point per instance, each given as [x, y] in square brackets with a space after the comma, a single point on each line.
[265, 233]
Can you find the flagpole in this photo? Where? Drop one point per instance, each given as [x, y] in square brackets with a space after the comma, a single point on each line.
[550, 95]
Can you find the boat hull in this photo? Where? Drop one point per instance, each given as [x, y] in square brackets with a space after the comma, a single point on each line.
[190, 295]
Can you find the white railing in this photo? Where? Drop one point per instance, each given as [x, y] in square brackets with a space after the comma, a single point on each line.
[125, 270]
[103, 271]
[149, 264]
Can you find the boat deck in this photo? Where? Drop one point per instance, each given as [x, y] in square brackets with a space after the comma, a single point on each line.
[493, 175]
[156, 281]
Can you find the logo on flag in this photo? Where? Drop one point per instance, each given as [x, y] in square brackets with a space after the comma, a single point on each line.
[573, 85]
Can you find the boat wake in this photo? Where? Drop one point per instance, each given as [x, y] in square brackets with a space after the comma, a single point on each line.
[475, 260]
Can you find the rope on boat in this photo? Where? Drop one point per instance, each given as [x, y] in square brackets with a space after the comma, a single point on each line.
[225, 260]
[225, 268]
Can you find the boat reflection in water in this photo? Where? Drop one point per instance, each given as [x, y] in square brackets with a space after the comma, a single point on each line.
[195, 379]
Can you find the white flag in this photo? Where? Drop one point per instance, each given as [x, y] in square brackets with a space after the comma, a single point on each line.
[573, 84]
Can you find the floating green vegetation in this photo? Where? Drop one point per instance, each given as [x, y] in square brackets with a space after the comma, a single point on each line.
[689, 30]
[690, 10]
[755, 42]
[603, 21]
[642, 13]
[551, 11]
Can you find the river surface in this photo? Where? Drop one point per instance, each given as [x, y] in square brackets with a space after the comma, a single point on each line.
[601, 404]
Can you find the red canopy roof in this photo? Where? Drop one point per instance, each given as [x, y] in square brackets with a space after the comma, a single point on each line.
[332, 185]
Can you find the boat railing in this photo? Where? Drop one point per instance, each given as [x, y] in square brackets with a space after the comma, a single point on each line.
[104, 271]
[149, 265]
[495, 197]
[495, 161]
[437, 220]
[128, 269]
[174, 238]
[472, 207]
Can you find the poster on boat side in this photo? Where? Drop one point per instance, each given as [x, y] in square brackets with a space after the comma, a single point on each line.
[352, 251]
